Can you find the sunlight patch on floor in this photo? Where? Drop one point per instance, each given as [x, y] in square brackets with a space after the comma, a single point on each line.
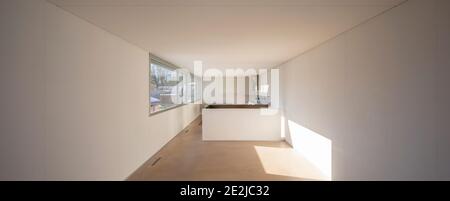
[288, 162]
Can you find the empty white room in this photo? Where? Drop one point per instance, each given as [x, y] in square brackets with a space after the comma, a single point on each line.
[249, 90]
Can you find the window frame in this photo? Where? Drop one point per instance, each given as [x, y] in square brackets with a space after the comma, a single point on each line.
[157, 60]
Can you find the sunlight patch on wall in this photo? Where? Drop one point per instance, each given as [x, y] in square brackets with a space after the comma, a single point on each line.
[313, 146]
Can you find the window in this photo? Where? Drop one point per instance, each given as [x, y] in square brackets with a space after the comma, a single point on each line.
[163, 87]
[195, 87]
[170, 86]
[259, 89]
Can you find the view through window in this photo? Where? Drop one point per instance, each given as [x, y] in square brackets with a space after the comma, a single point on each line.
[170, 86]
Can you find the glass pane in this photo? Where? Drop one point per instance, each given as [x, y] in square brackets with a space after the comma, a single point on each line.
[252, 89]
[163, 87]
[192, 88]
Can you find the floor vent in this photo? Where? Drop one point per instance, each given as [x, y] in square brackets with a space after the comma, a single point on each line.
[156, 161]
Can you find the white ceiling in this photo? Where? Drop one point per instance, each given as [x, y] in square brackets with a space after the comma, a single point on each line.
[226, 33]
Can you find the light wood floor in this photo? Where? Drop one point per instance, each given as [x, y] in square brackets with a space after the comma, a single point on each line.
[187, 157]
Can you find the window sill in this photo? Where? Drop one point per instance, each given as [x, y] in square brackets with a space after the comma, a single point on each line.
[167, 109]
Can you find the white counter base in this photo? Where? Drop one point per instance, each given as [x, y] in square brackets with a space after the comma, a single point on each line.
[240, 125]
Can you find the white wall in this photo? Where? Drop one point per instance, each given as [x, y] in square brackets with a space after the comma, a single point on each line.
[74, 99]
[380, 93]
